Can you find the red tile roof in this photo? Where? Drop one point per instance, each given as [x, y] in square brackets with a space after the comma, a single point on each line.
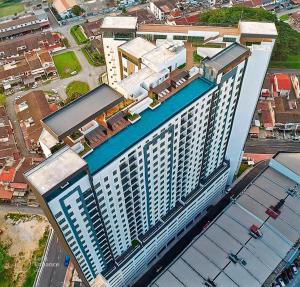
[283, 81]
[266, 117]
[17, 185]
[5, 194]
[7, 175]
[187, 20]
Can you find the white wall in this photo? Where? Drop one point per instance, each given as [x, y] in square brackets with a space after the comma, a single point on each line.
[253, 79]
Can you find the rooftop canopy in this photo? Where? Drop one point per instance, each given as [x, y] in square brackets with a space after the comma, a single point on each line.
[79, 112]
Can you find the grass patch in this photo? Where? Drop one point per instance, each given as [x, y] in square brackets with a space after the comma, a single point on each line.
[76, 89]
[10, 7]
[66, 64]
[292, 62]
[132, 117]
[93, 56]
[196, 58]
[155, 102]
[35, 260]
[6, 267]
[78, 36]
[284, 17]
[15, 217]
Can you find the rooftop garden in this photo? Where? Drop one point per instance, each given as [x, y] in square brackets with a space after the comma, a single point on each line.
[76, 135]
[132, 117]
[286, 53]
[87, 148]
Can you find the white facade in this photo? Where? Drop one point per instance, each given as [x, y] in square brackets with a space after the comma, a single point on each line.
[159, 15]
[250, 91]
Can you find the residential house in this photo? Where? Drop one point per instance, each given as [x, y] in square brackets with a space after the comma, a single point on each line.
[282, 85]
[30, 110]
[287, 113]
[27, 69]
[162, 8]
[267, 114]
[23, 25]
[143, 15]
[92, 30]
[11, 50]
[8, 147]
[296, 85]
[63, 7]
[295, 19]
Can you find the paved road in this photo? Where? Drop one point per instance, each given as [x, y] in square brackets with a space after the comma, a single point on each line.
[271, 146]
[53, 271]
[151, 274]
[285, 71]
[288, 11]
[21, 209]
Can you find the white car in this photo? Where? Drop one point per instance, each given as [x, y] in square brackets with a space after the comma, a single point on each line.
[54, 91]
[280, 281]
[34, 85]
[294, 269]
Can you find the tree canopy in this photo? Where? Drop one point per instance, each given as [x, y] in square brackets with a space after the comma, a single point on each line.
[77, 10]
[288, 40]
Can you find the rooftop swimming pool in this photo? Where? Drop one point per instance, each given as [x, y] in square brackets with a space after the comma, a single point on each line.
[149, 122]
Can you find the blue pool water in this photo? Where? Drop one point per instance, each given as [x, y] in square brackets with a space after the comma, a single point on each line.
[149, 122]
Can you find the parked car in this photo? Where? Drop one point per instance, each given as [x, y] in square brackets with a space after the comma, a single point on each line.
[67, 261]
[281, 282]
[294, 269]
[289, 273]
[285, 277]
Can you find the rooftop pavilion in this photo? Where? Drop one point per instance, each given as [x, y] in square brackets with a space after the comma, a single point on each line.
[81, 111]
[257, 29]
[137, 47]
[208, 257]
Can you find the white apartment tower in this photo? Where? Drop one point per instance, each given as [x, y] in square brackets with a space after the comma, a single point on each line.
[119, 206]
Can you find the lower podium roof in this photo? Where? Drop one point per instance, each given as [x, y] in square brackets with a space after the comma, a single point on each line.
[149, 122]
[79, 112]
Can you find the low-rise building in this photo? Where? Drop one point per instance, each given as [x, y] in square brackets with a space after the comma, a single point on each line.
[10, 50]
[295, 19]
[23, 25]
[63, 7]
[254, 239]
[27, 69]
[92, 29]
[8, 147]
[162, 9]
[267, 114]
[31, 109]
[282, 85]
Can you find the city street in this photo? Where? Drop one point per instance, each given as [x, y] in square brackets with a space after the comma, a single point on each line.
[271, 146]
[53, 272]
[182, 243]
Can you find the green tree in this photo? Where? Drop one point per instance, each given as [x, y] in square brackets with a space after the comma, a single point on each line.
[288, 40]
[77, 10]
[2, 99]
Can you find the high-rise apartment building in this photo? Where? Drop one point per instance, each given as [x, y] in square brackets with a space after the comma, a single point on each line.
[144, 159]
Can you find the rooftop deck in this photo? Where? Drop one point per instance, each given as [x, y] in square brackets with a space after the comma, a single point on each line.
[150, 121]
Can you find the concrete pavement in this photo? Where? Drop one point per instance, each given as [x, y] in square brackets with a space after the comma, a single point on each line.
[290, 11]
[22, 209]
[271, 146]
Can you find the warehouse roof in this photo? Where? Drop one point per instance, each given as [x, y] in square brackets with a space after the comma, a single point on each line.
[208, 256]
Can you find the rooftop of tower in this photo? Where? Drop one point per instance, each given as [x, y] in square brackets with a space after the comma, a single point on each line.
[149, 122]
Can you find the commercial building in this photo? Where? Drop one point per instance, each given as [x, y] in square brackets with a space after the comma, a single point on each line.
[23, 25]
[155, 161]
[252, 241]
